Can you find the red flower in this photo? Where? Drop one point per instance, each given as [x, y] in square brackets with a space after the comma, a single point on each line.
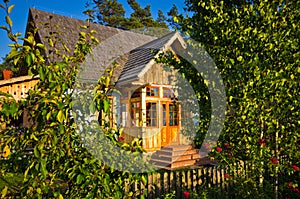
[121, 139]
[295, 190]
[218, 149]
[262, 142]
[226, 145]
[226, 175]
[290, 185]
[186, 194]
[274, 161]
[295, 167]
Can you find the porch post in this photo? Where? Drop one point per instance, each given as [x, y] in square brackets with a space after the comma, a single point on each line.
[143, 117]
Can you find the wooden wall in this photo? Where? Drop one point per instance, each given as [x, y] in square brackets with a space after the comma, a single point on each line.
[18, 86]
[159, 74]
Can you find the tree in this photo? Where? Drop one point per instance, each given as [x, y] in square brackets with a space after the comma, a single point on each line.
[173, 14]
[161, 19]
[109, 12]
[255, 46]
[112, 13]
[49, 158]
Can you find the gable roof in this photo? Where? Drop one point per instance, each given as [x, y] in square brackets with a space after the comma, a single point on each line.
[134, 52]
[68, 32]
[142, 58]
[68, 29]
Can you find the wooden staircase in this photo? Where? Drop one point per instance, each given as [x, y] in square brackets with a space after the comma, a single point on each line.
[178, 156]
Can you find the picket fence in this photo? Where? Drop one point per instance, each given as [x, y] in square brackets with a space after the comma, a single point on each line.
[164, 181]
[194, 180]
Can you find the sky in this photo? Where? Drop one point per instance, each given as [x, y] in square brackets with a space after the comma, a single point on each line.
[70, 8]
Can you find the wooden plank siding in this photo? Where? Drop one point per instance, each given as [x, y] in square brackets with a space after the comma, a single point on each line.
[18, 87]
[159, 75]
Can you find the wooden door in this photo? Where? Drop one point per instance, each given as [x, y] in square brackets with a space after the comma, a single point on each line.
[170, 123]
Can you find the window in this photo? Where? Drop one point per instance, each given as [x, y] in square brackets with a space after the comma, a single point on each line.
[123, 115]
[170, 114]
[152, 91]
[173, 115]
[135, 113]
[168, 93]
[151, 114]
[136, 93]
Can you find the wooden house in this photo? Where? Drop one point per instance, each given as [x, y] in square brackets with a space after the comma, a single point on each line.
[149, 106]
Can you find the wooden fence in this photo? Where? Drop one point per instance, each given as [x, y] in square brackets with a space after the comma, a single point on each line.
[202, 178]
[165, 182]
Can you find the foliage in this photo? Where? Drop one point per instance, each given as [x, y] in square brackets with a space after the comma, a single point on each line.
[55, 163]
[255, 46]
[112, 13]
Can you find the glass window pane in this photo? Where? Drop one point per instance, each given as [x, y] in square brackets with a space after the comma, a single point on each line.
[151, 114]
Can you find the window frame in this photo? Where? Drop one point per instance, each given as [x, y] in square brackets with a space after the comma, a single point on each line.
[152, 87]
[149, 114]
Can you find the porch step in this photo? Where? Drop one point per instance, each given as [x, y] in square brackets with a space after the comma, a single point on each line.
[175, 157]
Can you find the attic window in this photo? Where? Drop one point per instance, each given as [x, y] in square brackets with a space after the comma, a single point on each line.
[168, 93]
[152, 91]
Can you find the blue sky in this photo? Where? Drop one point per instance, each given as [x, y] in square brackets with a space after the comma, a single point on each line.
[70, 8]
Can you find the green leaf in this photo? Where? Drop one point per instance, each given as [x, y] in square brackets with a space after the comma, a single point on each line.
[4, 192]
[240, 58]
[13, 109]
[92, 108]
[60, 116]
[36, 152]
[4, 28]
[28, 60]
[144, 180]
[8, 20]
[48, 115]
[106, 104]
[232, 61]
[40, 45]
[50, 42]
[10, 8]
[43, 168]
[79, 179]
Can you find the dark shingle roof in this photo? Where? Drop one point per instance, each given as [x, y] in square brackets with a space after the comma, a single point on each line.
[111, 40]
[67, 28]
[133, 51]
[141, 56]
